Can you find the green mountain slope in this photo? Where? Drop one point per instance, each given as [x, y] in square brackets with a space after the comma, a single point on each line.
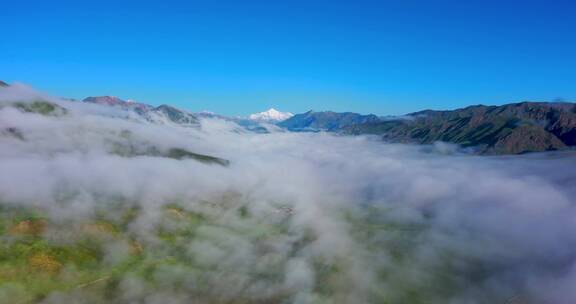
[508, 129]
[325, 121]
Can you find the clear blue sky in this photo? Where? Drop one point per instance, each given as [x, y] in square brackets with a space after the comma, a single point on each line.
[238, 57]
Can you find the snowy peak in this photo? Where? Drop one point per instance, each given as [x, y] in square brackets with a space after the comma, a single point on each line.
[271, 115]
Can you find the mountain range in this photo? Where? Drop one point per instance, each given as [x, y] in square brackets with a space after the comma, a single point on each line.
[507, 129]
[169, 115]
[163, 114]
[325, 121]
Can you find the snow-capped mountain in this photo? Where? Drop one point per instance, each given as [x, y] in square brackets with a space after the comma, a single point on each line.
[168, 115]
[271, 116]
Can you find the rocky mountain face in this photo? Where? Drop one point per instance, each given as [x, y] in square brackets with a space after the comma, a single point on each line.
[169, 114]
[117, 102]
[163, 114]
[3, 84]
[509, 129]
[325, 121]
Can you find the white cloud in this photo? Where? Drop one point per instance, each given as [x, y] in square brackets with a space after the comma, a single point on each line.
[502, 225]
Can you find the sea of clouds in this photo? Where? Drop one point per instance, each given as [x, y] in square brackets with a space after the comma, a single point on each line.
[394, 217]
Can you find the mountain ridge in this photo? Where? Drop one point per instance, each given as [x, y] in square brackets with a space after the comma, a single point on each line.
[163, 114]
[324, 121]
[512, 128]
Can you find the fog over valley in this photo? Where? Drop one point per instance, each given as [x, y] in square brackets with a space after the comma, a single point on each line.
[101, 205]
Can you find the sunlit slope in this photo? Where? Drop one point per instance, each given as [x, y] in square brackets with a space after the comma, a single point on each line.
[508, 129]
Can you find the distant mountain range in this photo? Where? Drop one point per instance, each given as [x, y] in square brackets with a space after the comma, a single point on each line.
[508, 129]
[117, 102]
[163, 114]
[325, 121]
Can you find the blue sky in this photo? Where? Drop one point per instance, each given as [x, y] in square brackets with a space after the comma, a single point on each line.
[238, 57]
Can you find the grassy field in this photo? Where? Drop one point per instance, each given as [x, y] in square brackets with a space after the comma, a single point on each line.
[217, 255]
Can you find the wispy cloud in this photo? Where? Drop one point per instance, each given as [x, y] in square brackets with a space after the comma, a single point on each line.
[394, 220]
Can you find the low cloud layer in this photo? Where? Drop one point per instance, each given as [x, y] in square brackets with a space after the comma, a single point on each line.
[353, 220]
